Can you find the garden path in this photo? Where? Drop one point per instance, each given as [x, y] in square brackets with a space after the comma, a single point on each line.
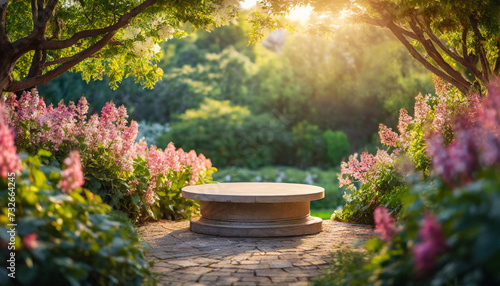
[186, 258]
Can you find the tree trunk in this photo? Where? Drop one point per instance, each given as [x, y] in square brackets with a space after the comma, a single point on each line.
[7, 63]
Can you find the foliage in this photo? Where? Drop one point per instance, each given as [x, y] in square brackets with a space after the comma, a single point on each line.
[451, 228]
[382, 183]
[229, 134]
[164, 182]
[314, 176]
[96, 38]
[130, 176]
[308, 144]
[346, 268]
[449, 38]
[337, 146]
[371, 80]
[65, 238]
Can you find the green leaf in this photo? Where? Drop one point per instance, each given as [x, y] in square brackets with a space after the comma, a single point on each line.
[374, 245]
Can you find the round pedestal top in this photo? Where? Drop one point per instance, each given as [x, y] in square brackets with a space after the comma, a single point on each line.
[253, 192]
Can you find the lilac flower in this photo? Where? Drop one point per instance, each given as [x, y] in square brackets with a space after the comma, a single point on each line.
[9, 161]
[432, 244]
[421, 108]
[72, 176]
[387, 136]
[384, 223]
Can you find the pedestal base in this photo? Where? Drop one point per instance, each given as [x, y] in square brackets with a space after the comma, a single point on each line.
[295, 227]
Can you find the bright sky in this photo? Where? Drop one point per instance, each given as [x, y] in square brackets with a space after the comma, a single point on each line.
[300, 14]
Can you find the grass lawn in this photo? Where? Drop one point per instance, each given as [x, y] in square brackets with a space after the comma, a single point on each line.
[324, 214]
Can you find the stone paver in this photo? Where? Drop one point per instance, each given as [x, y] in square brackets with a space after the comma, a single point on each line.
[186, 258]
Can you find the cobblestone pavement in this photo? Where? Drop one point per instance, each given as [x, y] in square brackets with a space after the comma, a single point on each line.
[186, 258]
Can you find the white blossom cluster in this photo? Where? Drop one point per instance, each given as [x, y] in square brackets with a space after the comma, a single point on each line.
[225, 11]
[166, 32]
[131, 32]
[146, 48]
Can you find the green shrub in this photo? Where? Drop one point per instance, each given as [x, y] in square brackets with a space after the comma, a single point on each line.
[346, 269]
[65, 238]
[468, 218]
[382, 185]
[231, 135]
[337, 146]
[308, 144]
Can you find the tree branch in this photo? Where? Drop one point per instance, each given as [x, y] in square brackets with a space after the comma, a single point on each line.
[122, 22]
[34, 12]
[434, 53]
[3, 15]
[470, 60]
[36, 67]
[415, 54]
[465, 53]
[384, 23]
[74, 60]
[496, 68]
[435, 39]
[480, 49]
[22, 45]
[57, 61]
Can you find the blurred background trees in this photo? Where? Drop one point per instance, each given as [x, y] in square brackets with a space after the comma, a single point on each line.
[284, 103]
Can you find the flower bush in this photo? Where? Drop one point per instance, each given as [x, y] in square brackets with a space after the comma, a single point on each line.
[451, 232]
[371, 181]
[380, 185]
[63, 236]
[130, 176]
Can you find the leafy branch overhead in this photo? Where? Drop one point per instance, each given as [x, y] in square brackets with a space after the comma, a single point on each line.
[113, 38]
[459, 41]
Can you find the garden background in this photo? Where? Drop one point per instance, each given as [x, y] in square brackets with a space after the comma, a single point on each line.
[284, 111]
[103, 122]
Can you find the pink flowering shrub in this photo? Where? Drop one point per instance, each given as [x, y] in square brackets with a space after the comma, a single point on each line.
[371, 180]
[385, 224]
[72, 176]
[142, 180]
[450, 231]
[9, 161]
[380, 185]
[432, 243]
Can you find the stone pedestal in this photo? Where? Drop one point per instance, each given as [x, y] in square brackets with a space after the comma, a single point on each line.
[255, 209]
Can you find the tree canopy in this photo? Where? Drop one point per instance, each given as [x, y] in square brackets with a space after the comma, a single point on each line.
[40, 40]
[457, 40]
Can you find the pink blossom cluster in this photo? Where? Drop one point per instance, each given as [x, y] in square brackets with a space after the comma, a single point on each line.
[360, 170]
[385, 224]
[421, 108]
[72, 176]
[387, 136]
[404, 121]
[49, 127]
[9, 161]
[71, 126]
[30, 241]
[438, 119]
[432, 244]
[161, 162]
[476, 143]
